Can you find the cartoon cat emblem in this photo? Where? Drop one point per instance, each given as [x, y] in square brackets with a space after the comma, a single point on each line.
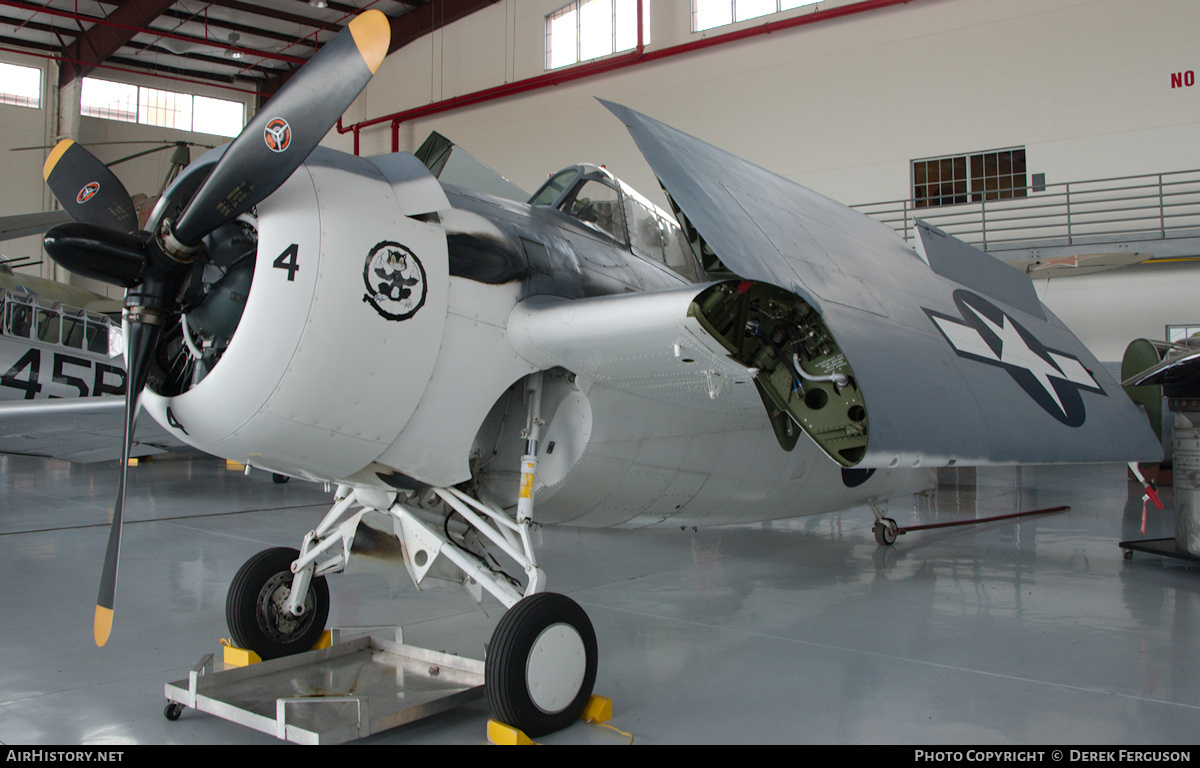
[395, 280]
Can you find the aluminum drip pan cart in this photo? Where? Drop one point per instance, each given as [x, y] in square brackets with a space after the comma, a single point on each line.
[329, 696]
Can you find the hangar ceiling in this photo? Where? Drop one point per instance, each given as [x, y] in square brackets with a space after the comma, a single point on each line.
[252, 45]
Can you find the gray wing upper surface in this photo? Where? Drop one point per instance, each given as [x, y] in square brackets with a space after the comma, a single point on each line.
[957, 359]
[25, 224]
[81, 430]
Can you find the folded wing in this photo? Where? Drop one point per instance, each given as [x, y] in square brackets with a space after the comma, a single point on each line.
[954, 366]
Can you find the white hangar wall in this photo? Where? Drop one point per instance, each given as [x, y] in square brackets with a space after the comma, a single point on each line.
[841, 105]
[25, 192]
[844, 106]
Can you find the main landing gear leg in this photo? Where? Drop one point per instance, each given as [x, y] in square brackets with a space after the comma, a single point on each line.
[541, 661]
[278, 601]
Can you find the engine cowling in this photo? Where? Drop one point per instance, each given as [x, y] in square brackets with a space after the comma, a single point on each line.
[341, 326]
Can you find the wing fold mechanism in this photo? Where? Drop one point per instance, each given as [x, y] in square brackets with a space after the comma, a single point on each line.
[733, 346]
[802, 375]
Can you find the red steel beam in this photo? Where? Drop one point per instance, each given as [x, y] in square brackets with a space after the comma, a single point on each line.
[97, 21]
[93, 46]
[291, 18]
[51, 53]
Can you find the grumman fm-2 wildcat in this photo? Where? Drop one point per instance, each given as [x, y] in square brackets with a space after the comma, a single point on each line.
[447, 358]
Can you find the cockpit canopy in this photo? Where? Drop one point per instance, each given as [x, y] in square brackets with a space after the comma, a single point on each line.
[605, 204]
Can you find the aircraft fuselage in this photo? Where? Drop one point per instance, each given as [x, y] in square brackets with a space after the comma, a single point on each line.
[373, 351]
[49, 350]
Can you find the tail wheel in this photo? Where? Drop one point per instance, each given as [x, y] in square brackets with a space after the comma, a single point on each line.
[255, 606]
[886, 532]
[541, 664]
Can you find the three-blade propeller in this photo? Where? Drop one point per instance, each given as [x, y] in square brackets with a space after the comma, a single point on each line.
[152, 266]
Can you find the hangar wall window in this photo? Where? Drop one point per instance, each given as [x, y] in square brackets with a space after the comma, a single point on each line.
[111, 101]
[20, 86]
[167, 109]
[707, 14]
[589, 29]
[956, 179]
[219, 117]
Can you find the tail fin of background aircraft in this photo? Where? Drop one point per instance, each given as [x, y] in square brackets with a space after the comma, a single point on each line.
[452, 164]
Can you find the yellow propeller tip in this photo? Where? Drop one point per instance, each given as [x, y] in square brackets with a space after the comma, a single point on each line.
[102, 626]
[372, 34]
[55, 155]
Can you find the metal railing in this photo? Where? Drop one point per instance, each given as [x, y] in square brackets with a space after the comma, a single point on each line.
[1155, 206]
[26, 316]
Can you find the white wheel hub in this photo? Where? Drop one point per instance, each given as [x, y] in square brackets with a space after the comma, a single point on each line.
[555, 668]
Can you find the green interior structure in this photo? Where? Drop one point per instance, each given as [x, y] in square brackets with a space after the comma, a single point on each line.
[770, 330]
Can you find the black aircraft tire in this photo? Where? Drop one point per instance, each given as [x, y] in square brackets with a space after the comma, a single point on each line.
[885, 532]
[252, 607]
[541, 664]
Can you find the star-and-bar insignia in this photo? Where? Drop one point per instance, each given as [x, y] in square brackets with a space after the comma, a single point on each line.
[985, 333]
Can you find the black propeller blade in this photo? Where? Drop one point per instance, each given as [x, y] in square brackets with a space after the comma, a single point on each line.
[283, 133]
[142, 337]
[87, 189]
[153, 266]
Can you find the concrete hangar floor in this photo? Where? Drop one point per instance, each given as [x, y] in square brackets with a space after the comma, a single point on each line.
[1032, 631]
